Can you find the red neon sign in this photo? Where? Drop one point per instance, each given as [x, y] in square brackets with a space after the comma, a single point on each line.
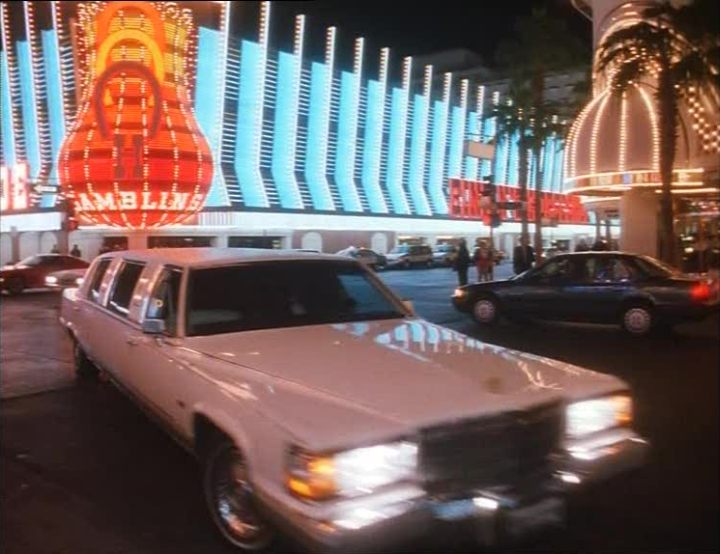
[136, 157]
[465, 203]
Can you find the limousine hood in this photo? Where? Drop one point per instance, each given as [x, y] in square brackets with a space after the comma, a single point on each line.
[410, 372]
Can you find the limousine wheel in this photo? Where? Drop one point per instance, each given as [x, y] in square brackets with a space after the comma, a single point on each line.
[231, 500]
[84, 368]
[637, 320]
[486, 310]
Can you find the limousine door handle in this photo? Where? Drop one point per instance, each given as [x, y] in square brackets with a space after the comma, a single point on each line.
[133, 340]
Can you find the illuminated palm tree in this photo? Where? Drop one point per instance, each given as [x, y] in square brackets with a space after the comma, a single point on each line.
[669, 51]
[513, 120]
[543, 45]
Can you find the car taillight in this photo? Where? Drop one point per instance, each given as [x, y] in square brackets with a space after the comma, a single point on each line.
[700, 292]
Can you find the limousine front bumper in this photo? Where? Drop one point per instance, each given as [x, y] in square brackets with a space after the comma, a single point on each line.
[406, 514]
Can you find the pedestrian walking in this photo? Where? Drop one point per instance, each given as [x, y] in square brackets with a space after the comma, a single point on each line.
[523, 256]
[483, 258]
[76, 251]
[462, 262]
[582, 246]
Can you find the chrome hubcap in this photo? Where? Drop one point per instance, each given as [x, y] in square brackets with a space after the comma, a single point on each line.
[637, 320]
[234, 502]
[485, 310]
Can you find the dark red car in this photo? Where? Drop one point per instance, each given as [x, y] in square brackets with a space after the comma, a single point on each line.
[31, 272]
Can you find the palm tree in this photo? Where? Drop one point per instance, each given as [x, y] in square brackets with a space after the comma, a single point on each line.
[512, 119]
[543, 45]
[669, 51]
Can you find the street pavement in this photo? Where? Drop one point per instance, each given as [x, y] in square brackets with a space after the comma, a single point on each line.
[84, 471]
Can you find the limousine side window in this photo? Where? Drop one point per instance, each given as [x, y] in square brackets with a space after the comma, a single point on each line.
[124, 286]
[165, 299]
[97, 278]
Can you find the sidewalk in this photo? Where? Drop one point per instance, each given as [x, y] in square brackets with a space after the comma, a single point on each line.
[35, 352]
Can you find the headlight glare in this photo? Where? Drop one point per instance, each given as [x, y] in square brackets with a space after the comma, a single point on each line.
[51, 280]
[351, 472]
[591, 416]
[459, 293]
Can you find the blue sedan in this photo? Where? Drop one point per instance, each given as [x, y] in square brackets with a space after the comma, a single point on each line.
[637, 292]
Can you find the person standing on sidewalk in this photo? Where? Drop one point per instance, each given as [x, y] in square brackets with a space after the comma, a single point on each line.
[462, 262]
[523, 256]
[483, 261]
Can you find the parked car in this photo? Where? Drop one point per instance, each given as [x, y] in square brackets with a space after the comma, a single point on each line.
[66, 278]
[406, 256]
[317, 403]
[365, 256]
[30, 273]
[444, 255]
[637, 292]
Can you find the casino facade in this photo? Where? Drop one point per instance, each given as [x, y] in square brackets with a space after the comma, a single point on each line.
[150, 124]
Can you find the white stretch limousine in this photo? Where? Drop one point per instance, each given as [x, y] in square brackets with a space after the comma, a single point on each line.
[321, 407]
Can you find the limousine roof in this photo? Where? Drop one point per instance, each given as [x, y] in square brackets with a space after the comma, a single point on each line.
[213, 257]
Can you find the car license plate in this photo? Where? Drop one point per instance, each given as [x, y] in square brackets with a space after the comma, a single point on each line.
[546, 513]
[454, 510]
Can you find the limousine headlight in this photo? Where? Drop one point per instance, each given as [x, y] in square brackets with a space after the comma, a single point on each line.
[590, 416]
[351, 472]
[51, 280]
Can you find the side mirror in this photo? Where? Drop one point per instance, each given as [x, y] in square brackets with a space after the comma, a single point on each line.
[408, 304]
[153, 326]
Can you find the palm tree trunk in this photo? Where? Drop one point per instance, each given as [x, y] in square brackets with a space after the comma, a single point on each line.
[668, 111]
[538, 204]
[522, 181]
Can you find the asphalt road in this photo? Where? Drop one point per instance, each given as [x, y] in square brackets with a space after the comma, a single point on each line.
[84, 471]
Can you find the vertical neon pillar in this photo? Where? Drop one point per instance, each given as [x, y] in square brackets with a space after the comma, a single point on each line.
[286, 121]
[8, 132]
[319, 127]
[373, 138]
[212, 62]
[396, 141]
[459, 115]
[250, 107]
[350, 87]
[418, 146]
[438, 147]
[486, 129]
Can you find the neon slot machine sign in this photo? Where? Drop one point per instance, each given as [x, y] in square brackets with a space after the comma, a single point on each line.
[135, 156]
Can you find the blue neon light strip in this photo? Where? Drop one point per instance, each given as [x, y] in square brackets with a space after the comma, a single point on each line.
[317, 145]
[285, 133]
[372, 152]
[455, 154]
[30, 121]
[558, 173]
[513, 162]
[249, 125]
[472, 133]
[549, 165]
[418, 147]
[54, 95]
[208, 102]
[8, 133]
[347, 142]
[500, 158]
[437, 157]
[396, 151]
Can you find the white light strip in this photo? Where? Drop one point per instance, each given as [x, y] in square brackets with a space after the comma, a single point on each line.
[623, 132]
[654, 125]
[427, 83]
[299, 35]
[55, 25]
[464, 86]
[595, 131]
[407, 72]
[222, 84]
[358, 55]
[447, 85]
[384, 60]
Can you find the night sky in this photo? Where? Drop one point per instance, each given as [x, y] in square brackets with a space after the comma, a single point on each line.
[408, 28]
